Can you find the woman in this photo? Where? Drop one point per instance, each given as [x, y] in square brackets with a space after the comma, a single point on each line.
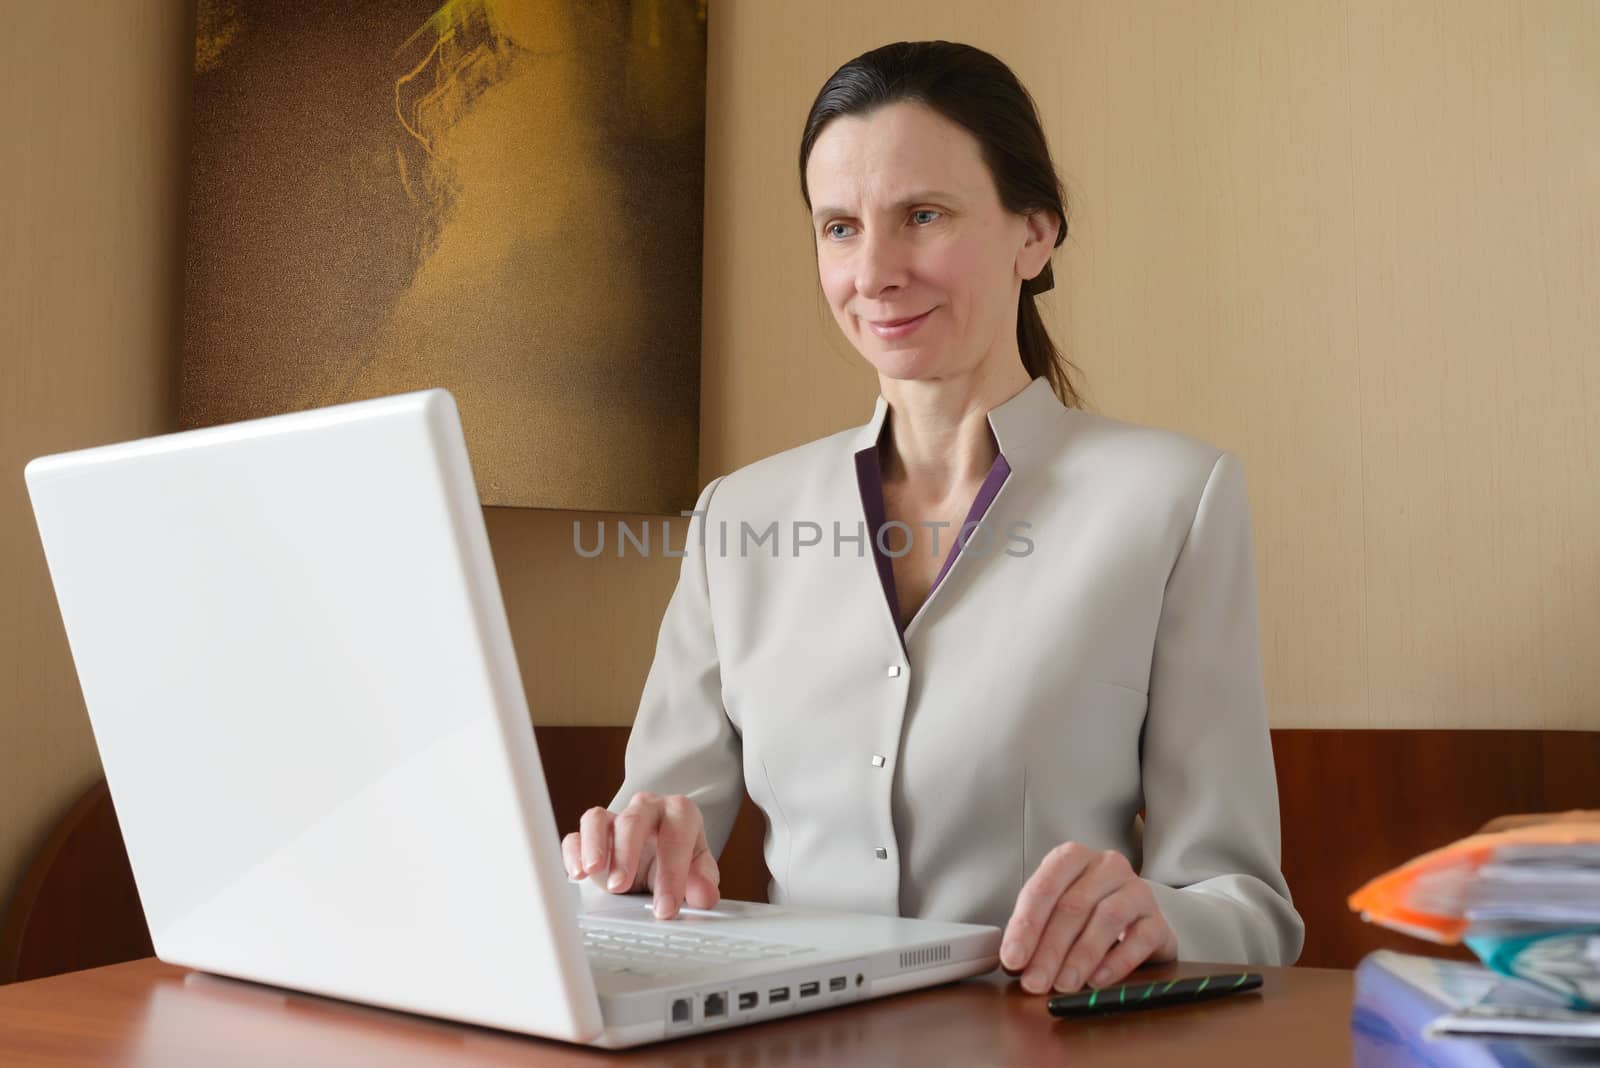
[964, 733]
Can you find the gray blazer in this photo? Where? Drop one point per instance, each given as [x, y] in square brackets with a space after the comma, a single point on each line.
[1093, 652]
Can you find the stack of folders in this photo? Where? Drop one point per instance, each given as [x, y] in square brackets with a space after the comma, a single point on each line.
[1406, 1007]
[1527, 902]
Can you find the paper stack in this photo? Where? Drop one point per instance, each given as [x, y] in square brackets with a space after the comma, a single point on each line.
[1400, 998]
[1527, 902]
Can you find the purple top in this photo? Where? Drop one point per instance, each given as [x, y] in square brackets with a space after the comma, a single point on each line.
[869, 477]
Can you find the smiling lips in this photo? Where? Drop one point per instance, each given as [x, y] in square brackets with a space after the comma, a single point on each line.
[898, 328]
[895, 322]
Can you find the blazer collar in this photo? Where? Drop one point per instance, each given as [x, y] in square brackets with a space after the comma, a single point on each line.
[1016, 422]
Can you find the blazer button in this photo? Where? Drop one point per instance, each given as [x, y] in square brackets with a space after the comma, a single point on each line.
[881, 853]
[894, 671]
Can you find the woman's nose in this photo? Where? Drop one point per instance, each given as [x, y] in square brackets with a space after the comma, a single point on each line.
[882, 263]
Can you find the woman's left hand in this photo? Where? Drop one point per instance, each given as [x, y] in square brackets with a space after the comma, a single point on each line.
[1085, 915]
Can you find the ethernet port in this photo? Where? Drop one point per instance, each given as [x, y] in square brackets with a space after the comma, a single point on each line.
[716, 1005]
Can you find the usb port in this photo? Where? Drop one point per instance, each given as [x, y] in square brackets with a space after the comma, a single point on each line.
[811, 989]
[748, 1000]
[777, 994]
[836, 983]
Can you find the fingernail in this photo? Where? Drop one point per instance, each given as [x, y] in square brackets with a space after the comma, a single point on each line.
[1034, 983]
[662, 904]
[615, 882]
[1011, 955]
[1069, 980]
[1102, 977]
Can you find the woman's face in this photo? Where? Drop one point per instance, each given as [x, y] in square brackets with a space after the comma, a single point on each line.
[908, 225]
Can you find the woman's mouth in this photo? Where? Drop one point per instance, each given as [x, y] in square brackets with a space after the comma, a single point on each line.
[898, 328]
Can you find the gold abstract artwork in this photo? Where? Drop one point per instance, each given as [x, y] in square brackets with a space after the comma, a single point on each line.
[499, 197]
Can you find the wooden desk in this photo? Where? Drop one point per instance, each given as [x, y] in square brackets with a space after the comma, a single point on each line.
[147, 1013]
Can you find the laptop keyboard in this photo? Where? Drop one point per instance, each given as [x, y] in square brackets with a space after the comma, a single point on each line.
[633, 950]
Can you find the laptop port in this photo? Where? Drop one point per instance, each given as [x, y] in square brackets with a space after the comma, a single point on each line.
[716, 1005]
[811, 989]
[836, 983]
[748, 1000]
[777, 994]
[682, 1010]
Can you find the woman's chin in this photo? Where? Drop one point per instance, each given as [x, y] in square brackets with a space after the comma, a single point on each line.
[904, 364]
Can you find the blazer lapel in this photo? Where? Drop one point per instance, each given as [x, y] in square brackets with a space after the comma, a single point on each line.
[869, 507]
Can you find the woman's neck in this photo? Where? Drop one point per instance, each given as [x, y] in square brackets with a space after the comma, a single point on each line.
[939, 439]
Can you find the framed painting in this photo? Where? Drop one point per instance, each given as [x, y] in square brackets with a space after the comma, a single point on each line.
[499, 197]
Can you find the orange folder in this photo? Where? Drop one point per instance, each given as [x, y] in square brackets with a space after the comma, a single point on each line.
[1427, 896]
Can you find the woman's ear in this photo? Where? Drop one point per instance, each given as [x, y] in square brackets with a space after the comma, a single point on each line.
[1043, 225]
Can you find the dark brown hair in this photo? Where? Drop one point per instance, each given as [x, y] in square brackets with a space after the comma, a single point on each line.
[979, 93]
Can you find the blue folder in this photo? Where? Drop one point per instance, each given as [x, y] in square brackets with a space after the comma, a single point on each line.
[1397, 995]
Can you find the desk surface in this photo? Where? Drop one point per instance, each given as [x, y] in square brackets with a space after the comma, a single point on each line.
[148, 1013]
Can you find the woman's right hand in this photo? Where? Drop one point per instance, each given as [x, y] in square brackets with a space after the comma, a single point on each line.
[656, 844]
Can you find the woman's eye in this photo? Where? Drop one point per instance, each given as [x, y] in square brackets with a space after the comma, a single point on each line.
[833, 229]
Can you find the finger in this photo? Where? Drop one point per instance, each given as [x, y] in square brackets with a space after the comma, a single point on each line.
[1138, 945]
[675, 847]
[572, 856]
[1072, 911]
[1113, 915]
[594, 840]
[703, 890]
[1037, 898]
[635, 829]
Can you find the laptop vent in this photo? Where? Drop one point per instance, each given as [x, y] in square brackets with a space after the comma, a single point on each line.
[917, 958]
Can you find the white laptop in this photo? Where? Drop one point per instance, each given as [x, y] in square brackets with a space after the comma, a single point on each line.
[296, 663]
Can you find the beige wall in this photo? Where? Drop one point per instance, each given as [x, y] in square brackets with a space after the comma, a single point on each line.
[90, 190]
[1356, 242]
